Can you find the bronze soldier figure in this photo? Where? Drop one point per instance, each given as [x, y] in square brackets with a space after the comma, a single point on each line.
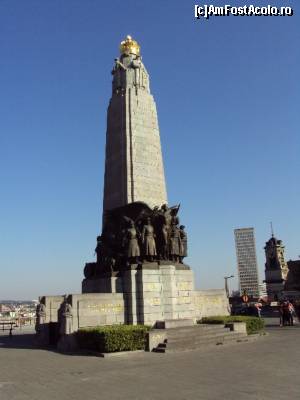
[175, 241]
[132, 245]
[149, 246]
[183, 237]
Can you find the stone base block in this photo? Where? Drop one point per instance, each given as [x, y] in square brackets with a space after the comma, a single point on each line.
[111, 284]
[239, 327]
[162, 296]
[174, 323]
[154, 338]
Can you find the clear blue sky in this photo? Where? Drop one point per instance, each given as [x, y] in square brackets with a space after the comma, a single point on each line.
[228, 96]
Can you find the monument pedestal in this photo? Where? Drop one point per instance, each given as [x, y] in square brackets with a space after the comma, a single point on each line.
[151, 292]
[108, 284]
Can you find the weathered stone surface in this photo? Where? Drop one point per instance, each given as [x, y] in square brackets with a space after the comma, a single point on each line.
[237, 327]
[133, 161]
[210, 302]
[52, 304]
[102, 285]
[174, 323]
[154, 338]
[145, 297]
[139, 275]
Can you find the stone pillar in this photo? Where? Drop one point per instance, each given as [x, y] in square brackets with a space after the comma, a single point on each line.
[156, 294]
[150, 305]
[130, 296]
[169, 291]
[133, 158]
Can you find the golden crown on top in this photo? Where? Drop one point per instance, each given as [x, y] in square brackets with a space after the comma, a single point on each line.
[129, 46]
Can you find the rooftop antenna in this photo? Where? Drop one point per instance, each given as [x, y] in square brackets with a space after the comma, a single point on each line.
[272, 231]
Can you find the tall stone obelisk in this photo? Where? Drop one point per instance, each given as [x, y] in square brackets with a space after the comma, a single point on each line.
[133, 161]
[139, 276]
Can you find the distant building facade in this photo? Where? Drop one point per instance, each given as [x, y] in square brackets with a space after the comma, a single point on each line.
[293, 277]
[276, 269]
[262, 287]
[246, 261]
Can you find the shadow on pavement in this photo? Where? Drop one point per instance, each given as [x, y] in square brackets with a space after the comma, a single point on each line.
[21, 341]
[27, 341]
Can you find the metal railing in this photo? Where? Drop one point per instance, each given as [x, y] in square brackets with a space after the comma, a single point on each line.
[14, 323]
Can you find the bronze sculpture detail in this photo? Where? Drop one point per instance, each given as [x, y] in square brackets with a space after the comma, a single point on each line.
[135, 234]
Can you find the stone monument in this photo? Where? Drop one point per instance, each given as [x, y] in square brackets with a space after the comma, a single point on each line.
[139, 275]
[133, 160]
[142, 245]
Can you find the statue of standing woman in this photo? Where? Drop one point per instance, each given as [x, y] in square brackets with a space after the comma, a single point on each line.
[148, 240]
[132, 245]
[175, 241]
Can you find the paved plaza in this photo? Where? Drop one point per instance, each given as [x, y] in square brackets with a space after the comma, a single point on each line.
[267, 368]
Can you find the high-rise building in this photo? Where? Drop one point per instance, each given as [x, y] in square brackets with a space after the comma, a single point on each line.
[246, 261]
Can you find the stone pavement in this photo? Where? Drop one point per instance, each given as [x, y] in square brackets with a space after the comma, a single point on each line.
[267, 368]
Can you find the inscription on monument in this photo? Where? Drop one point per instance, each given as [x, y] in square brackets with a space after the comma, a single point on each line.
[106, 308]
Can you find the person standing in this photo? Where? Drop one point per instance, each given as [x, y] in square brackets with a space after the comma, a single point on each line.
[291, 313]
[280, 309]
[258, 308]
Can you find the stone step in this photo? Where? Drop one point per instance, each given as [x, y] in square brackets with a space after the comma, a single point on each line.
[209, 342]
[160, 349]
[195, 331]
[174, 323]
[194, 336]
[205, 339]
[196, 328]
[199, 326]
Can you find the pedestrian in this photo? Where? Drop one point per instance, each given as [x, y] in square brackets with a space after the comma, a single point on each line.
[258, 309]
[286, 313]
[291, 313]
[280, 309]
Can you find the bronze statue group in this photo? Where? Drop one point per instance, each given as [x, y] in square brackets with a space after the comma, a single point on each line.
[170, 243]
[136, 234]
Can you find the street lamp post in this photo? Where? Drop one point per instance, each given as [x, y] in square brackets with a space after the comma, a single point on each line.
[226, 283]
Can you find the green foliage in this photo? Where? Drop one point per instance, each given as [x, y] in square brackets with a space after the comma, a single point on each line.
[253, 324]
[109, 339]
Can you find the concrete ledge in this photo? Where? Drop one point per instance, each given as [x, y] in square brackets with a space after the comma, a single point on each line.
[154, 338]
[119, 353]
[174, 323]
[237, 326]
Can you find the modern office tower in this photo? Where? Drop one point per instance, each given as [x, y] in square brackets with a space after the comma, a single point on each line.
[246, 261]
